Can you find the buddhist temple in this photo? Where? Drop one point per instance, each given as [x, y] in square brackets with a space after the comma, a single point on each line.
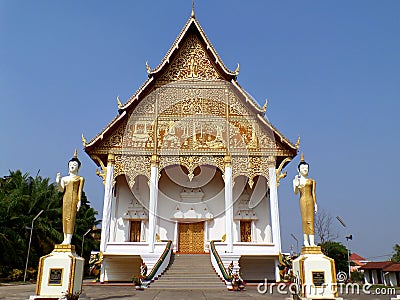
[190, 165]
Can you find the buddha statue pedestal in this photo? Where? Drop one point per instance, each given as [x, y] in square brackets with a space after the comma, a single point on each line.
[315, 274]
[60, 273]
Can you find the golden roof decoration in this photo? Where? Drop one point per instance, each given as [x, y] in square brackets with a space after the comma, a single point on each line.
[191, 56]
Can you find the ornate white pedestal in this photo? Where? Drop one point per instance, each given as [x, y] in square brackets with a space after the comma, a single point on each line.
[315, 274]
[59, 272]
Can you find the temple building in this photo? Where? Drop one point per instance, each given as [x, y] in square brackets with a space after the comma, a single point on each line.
[190, 165]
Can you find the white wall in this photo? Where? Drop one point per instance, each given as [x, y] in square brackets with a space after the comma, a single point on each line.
[170, 186]
[124, 195]
[258, 198]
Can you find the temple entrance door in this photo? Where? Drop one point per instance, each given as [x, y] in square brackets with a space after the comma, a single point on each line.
[191, 237]
[245, 231]
[135, 231]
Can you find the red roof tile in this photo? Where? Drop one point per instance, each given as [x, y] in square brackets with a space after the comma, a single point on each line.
[355, 256]
[376, 265]
[392, 268]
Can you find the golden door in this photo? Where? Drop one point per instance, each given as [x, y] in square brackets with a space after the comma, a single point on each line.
[191, 237]
[135, 231]
[245, 231]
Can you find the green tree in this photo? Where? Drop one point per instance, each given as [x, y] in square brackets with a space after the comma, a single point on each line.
[22, 197]
[338, 252]
[396, 254]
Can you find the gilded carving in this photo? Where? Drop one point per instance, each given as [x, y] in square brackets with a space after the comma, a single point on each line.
[192, 61]
[192, 162]
[116, 138]
[131, 166]
[251, 166]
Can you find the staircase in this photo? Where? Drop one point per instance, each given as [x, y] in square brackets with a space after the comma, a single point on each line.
[189, 271]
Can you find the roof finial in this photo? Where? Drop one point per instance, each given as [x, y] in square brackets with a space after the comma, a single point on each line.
[192, 9]
[119, 102]
[148, 67]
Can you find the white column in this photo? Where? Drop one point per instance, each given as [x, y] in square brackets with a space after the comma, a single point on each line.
[205, 233]
[277, 275]
[176, 236]
[228, 204]
[105, 225]
[273, 200]
[153, 202]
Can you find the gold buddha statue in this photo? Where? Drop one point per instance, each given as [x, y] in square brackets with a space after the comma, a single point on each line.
[308, 202]
[72, 186]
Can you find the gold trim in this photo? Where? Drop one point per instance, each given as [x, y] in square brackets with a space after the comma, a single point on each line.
[228, 161]
[311, 250]
[302, 275]
[64, 248]
[72, 275]
[110, 159]
[333, 273]
[40, 274]
[155, 160]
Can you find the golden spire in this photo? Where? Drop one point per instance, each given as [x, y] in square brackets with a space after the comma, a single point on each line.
[148, 67]
[297, 145]
[302, 157]
[84, 142]
[265, 105]
[76, 153]
[237, 70]
[119, 102]
[192, 9]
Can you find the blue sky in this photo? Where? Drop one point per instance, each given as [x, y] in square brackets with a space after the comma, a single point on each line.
[330, 70]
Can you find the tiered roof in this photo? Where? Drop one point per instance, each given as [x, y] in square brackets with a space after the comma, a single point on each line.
[191, 27]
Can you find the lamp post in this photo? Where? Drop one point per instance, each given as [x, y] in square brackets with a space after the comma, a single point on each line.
[297, 242]
[348, 237]
[30, 241]
[83, 240]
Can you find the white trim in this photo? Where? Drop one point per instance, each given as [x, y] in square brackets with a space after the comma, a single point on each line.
[105, 225]
[228, 209]
[276, 232]
[153, 207]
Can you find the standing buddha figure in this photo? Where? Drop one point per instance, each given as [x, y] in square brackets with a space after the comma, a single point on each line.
[72, 186]
[308, 203]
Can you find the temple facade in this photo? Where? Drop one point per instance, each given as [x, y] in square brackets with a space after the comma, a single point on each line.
[190, 165]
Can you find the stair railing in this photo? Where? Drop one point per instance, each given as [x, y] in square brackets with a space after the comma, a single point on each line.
[161, 264]
[219, 263]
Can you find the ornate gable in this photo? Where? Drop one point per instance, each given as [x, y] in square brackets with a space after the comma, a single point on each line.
[191, 61]
[190, 108]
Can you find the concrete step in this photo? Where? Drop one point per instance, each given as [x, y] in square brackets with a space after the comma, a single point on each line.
[195, 275]
[165, 279]
[185, 287]
[189, 272]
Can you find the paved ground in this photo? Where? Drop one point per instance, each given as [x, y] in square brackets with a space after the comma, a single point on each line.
[120, 292]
